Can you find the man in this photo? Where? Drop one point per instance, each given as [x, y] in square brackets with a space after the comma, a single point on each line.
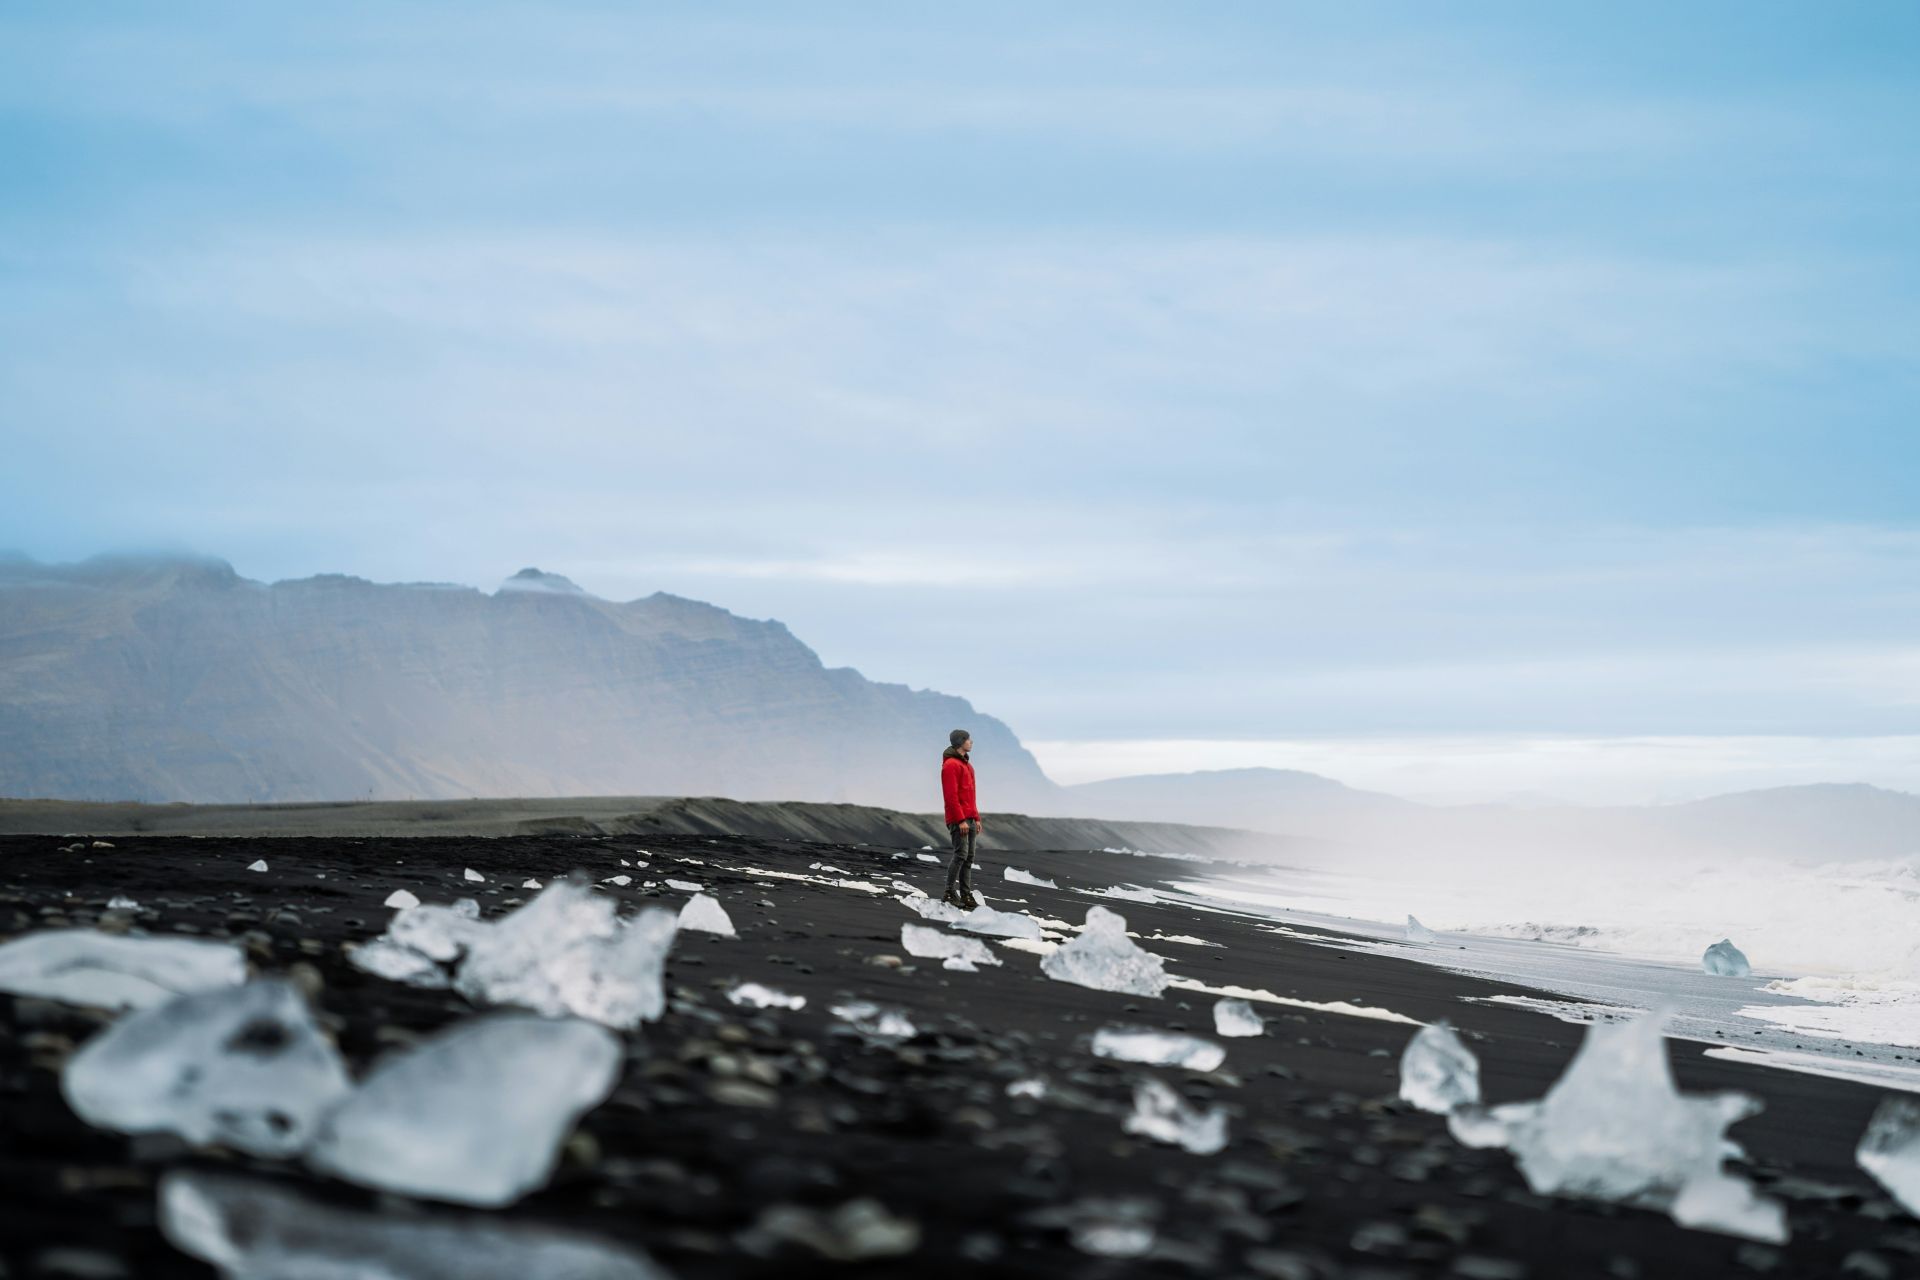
[963, 818]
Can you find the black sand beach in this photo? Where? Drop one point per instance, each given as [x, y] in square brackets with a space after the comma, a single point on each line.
[724, 1113]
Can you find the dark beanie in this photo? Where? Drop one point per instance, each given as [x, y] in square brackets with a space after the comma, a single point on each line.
[958, 736]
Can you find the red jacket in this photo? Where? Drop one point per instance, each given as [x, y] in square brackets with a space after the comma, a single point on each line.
[956, 784]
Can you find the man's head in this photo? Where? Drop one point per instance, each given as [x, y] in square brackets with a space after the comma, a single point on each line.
[961, 740]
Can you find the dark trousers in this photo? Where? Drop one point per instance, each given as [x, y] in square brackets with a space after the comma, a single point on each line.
[960, 870]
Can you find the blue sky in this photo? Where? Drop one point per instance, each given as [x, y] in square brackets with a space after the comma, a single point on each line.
[1306, 385]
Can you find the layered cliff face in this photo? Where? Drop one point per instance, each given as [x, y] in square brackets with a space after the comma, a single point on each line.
[177, 679]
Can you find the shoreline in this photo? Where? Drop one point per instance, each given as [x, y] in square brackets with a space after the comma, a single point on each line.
[1325, 1173]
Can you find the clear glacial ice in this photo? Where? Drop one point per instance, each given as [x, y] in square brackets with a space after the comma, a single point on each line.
[703, 914]
[1417, 932]
[1890, 1149]
[566, 952]
[249, 1229]
[474, 1115]
[114, 971]
[1233, 1017]
[876, 1022]
[1724, 960]
[1026, 877]
[1164, 1116]
[1104, 958]
[982, 919]
[242, 1066]
[955, 952]
[753, 995]
[1615, 1127]
[1157, 1048]
[1438, 1072]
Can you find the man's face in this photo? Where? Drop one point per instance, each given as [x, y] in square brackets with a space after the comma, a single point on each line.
[967, 745]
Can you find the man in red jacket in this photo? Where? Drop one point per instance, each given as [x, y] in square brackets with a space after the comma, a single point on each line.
[963, 818]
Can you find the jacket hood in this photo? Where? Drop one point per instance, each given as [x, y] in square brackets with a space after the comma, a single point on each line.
[954, 753]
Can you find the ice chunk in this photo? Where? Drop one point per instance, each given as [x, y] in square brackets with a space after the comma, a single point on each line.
[1105, 958]
[1237, 1018]
[474, 876]
[1033, 1087]
[402, 899]
[684, 886]
[1725, 960]
[530, 884]
[932, 944]
[705, 915]
[1158, 1048]
[1417, 932]
[619, 881]
[1026, 877]
[1890, 1149]
[258, 864]
[121, 902]
[857, 1231]
[875, 1022]
[1437, 1072]
[982, 919]
[566, 952]
[1614, 1127]
[385, 958]
[910, 890]
[244, 1066]
[1128, 893]
[926, 857]
[114, 971]
[1163, 1115]
[476, 1114]
[756, 996]
[251, 1229]
[439, 933]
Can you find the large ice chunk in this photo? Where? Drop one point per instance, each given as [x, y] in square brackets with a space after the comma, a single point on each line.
[1158, 1048]
[244, 1066]
[114, 971]
[439, 933]
[1237, 1018]
[1437, 1072]
[1163, 1115]
[1725, 960]
[1614, 1127]
[1105, 958]
[956, 952]
[705, 915]
[255, 1230]
[1026, 877]
[475, 1114]
[1417, 932]
[1890, 1149]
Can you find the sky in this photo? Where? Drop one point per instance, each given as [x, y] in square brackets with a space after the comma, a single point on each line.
[1461, 399]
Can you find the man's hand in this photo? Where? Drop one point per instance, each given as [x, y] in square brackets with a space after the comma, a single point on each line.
[976, 826]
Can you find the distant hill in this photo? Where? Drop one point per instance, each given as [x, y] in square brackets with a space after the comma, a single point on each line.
[175, 679]
[1285, 800]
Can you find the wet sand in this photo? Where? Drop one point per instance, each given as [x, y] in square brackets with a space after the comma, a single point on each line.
[724, 1112]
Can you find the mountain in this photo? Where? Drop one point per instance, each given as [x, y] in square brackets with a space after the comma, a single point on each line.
[173, 678]
[1280, 800]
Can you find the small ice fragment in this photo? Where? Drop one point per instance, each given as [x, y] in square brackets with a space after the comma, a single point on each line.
[1024, 877]
[756, 996]
[1158, 1048]
[475, 1114]
[1725, 960]
[821, 866]
[402, 899]
[530, 884]
[1437, 1072]
[1029, 1088]
[857, 1231]
[1105, 958]
[621, 881]
[704, 915]
[258, 864]
[1237, 1018]
[961, 963]
[1890, 1149]
[927, 857]
[1128, 893]
[243, 1066]
[684, 886]
[1417, 932]
[875, 1022]
[474, 876]
[1163, 1115]
[103, 844]
[121, 902]
[932, 944]
[1614, 1127]
[80, 966]
[250, 1229]
[910, 890]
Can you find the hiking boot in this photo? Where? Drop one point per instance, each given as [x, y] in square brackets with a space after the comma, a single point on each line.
[952, 898]
[968, 902]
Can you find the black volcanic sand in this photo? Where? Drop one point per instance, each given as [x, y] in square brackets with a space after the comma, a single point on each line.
[724, 1112]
